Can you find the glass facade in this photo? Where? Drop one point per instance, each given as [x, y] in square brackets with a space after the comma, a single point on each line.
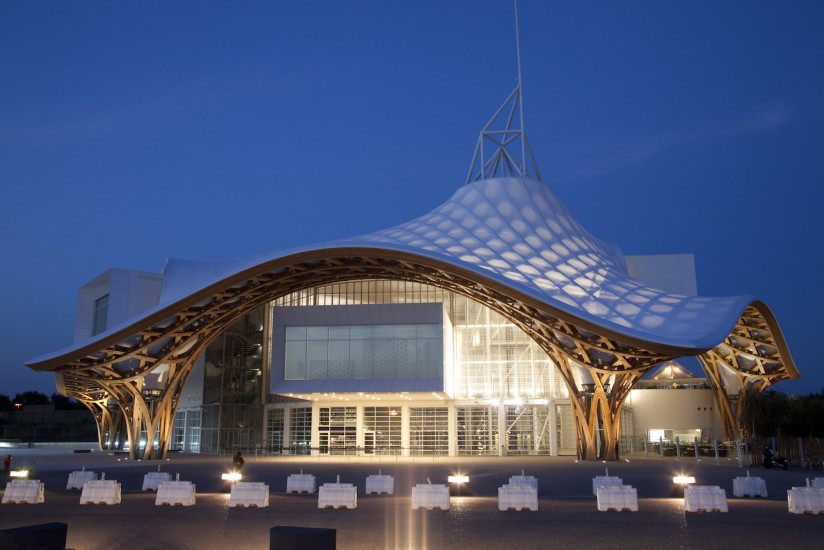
[300, 430]
[193, 431]
[233, 372]
[178, 442]
[186, 431]
[527, 430]
[565, 429]
[382, 428]
[274, 430]
[492, 358]
[429, 431]
[363, 352]
[477, 431]
[505, 395]
[337, 430]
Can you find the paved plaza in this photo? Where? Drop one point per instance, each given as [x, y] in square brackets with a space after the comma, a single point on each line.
[567, 515]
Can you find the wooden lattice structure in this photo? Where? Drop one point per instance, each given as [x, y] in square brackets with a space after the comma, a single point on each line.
[112, 370]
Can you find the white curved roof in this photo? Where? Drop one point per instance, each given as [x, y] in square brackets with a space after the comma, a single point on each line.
[514, 231]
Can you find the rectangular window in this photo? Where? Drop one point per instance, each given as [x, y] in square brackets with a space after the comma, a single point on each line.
[317, 355]
[429, 431]
[100, 315]
[179, 432]
[274, 430]
[300, 430]
[382, 430]
[295, 364]
[360, 357]
[477, 430]
[193, 424]
[363, 352]
[337, 430]
[338, 359]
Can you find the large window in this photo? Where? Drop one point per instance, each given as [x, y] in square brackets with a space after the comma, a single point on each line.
[274, 430]
[363, 351]
[429, 431]
[490, 358]
[300, 430]
[193, 431]
[178, 442]
[337, 430]
[101, 314]
[477, 430]
[382, 430]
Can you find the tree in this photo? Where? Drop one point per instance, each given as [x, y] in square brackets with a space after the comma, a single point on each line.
[5, 403]
[32, 397]
[63, 403]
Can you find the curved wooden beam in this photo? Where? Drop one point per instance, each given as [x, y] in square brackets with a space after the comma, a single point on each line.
[173, 336]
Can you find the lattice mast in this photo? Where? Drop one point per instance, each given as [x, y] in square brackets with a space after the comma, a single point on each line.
[503, 151]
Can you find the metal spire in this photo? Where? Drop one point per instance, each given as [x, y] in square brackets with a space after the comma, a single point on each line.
[496, 153]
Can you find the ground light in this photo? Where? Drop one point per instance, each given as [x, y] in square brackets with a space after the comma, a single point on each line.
[458, 485]
[232, 476]
[22, 474]
[679, 482]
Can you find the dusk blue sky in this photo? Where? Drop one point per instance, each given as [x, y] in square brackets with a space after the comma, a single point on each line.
[131, 132]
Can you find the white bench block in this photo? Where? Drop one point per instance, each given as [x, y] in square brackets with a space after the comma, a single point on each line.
[705, 498]
[530, 481]
[517, 497]
[817, 482]
[77, 479]
[425, 495]
[100, 491]
[300, 483]
[175, 493]
[380, 485]
[749, 487]
[605, 481]
[24, 491]
[153, 479]
[253, 494]
[338, 495]
[806, 500]
[617, 497]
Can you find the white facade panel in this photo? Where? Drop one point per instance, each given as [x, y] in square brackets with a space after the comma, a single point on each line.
[130, 294]
[675, 409]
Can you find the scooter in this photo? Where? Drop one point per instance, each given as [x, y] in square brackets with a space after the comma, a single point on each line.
[772, 461]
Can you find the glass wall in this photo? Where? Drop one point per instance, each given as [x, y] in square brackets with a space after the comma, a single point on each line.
[193, 431]
[507, 395]
[300, 430]
[274, 430]
[382, 430]
[527, 430]
[565, 430]
[428, 431]
[363, 351]
[178, 442]
[477, 431]
[233, 372]
[493, 358]
[337, 430]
